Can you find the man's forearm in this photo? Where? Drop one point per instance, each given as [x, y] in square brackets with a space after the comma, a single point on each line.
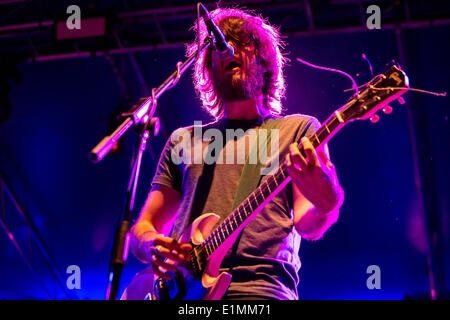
[156, 218]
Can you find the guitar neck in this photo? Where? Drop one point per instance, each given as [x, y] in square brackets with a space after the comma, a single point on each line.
[266, 191]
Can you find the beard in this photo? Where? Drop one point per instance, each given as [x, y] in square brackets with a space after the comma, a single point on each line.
[242, 85]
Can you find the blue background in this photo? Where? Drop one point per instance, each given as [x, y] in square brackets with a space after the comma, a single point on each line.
[60, 111]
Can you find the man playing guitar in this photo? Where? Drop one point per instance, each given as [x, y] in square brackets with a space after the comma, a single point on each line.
[242, 92]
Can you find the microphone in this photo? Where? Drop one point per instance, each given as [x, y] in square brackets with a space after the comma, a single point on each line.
[223, 49]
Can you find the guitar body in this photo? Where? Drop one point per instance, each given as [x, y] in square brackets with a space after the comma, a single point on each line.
[211, 286]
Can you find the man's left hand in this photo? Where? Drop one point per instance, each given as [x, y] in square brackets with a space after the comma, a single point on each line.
[315, 176]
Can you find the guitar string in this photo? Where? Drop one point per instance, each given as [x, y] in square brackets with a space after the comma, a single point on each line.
[439, 94]
[270, 184]
[249, 204]
[213, 241]
[239, 215]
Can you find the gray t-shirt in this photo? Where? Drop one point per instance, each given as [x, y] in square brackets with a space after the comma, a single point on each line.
[264, 261]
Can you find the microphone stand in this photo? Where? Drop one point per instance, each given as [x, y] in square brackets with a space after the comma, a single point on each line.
[142, 112]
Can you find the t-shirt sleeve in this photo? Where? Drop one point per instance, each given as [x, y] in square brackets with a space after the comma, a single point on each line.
[167, 171]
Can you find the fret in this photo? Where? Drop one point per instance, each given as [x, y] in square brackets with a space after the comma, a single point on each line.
[193, 258]
[270, 185]
[323, 135]
[256, 200]
[338, 116]
[270, 191]
[201, 248]
[219, 237]
[265, 190]
[220, 234]
[209, 240]
[245, 212]
[255, 197]
[282, 171]
[275, 179]
[317, 138]
[223, 234]
[237, 213]
[273, 183]
[261, 192]
[217, 240]
[210, 243]
[234, 217]
[242, 214]
[249, 210]
[210, 247]
[332, 124]
[228, 227]
[225, 228]
[232, 227]
[216, 244]
[214, 239]
[249, 204]
[259, 196]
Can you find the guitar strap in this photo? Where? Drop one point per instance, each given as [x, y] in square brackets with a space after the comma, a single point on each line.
[250, 176]
[251, 172]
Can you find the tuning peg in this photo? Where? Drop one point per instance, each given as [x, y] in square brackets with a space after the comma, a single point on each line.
[375, 118]
[401, 100]
[387, 109]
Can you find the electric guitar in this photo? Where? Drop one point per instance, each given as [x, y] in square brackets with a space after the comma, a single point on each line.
[201, 278]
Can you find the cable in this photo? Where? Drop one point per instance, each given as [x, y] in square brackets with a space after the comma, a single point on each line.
[354, 85]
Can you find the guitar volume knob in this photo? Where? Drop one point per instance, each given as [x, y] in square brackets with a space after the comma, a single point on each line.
[375, 118]
[387, 110]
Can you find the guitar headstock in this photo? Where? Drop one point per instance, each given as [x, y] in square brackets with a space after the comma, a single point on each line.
[376, 95]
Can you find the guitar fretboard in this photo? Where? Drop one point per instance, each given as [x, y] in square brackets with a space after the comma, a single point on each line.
[264, 193]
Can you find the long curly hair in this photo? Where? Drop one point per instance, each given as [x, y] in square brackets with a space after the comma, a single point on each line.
[233, 21]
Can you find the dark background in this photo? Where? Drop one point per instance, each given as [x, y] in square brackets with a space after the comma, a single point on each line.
[59, 110]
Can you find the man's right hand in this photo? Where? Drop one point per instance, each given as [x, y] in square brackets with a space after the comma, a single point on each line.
[149, 240]
[166, 254]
